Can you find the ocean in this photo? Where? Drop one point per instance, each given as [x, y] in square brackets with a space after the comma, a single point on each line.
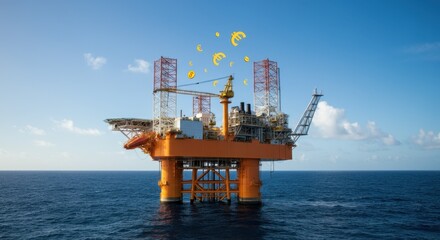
[296, 205]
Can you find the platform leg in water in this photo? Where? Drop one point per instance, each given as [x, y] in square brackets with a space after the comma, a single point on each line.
[171, 181]
[249, 181]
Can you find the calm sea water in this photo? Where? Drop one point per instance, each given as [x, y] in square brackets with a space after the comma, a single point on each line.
[297, 205]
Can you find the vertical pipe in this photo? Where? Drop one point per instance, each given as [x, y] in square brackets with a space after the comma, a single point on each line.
[193, 184]
[228, 187]
[279, 90]
[214, 194]
[225, 130]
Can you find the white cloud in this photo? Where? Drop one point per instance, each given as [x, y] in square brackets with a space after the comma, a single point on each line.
[390, 140]
[68, 125]
[42, 143]
[334, 158]
[94, 62]
[423, 48]
[13, 155]
[425, 51]
[34, 130]
[140, 66]
[331, 123]
[395, 157]
[428, 140]
[65, 154]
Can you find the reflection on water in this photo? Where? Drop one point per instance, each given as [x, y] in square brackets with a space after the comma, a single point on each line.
[209, 221]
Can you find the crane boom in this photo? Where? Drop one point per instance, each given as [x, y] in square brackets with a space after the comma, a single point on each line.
[226, 93]
[304, 124]
[187, 92]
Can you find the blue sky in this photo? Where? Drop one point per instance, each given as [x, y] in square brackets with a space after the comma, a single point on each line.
[67, 66]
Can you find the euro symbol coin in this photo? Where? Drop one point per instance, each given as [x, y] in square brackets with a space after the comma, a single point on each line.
[237, 36]
[217, 34]
[217, 57]
[231, 63]
[199, 48]
[245, 82]
[215, 83]
[191, 74]
[246, 58]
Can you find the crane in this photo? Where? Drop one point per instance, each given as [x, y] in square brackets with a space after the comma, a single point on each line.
[187, 92]
[224, 96]
[226, 93]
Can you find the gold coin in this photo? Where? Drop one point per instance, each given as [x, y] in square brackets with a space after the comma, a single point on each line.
[191, 74]
[246, 59]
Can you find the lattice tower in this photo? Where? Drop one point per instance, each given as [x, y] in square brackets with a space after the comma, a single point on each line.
[266, 88]
[201, 104]
[165, 103]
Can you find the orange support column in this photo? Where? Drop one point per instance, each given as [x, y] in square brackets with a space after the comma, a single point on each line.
[225, 130]
[249, 181]
[171, 181]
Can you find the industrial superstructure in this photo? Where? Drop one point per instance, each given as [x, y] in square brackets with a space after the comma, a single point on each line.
[209, 152]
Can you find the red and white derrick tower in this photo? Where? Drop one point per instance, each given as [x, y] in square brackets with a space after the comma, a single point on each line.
[266, 88]
[165, 103]
[201, 104]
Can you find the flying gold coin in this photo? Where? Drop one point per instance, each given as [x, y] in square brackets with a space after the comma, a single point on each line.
[245, 82]
[191, 74]
[199, 48]
[237, 36]
[217, 34]
[246, 58]
[190, 63]
[215, 83]
[206, 70]
[231, 63]
[217, 57]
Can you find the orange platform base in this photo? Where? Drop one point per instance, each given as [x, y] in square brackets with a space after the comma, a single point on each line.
[172, 152]
[195, 148]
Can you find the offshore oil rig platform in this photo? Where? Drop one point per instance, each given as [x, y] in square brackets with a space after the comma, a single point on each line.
[210, 153]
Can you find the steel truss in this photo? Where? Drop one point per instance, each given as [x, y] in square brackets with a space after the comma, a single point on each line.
[210, 180]
[130, 127]
[302, 128]
[165, 103]
[201, 104]
[266, 88]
